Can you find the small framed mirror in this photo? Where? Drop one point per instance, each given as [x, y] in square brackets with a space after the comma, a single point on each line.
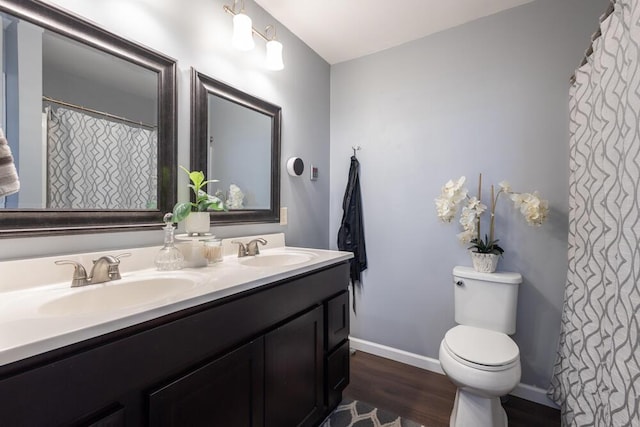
[90, 119]
[235, 139]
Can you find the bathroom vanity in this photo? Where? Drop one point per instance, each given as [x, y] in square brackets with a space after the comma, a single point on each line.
[270, 349]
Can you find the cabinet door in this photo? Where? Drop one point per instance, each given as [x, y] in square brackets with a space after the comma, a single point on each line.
[294, 372]
[337, 319]
[337, 374]
[226, 392]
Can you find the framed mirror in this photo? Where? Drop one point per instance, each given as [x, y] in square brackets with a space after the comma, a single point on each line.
[90, 118]
[235, 139]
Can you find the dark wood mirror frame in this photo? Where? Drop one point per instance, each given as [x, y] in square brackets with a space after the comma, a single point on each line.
[201, 87]
[30, 222]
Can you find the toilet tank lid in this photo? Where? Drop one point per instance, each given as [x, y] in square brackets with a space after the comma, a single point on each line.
[500, 276]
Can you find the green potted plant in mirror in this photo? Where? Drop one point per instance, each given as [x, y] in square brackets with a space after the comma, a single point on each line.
[485, 252]
[195, 214]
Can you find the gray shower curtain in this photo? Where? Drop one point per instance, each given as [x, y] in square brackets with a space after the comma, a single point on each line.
[94, 163]
[597, 373]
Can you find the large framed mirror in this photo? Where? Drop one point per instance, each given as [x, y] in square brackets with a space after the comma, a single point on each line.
[90, 119]
[235, 139]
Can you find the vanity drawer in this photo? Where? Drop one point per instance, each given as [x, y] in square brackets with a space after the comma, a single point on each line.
[337, 374]
[337, 318]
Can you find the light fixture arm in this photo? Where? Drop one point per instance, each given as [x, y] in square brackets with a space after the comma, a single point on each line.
[266, 32]
[232, 11]
[233, 8]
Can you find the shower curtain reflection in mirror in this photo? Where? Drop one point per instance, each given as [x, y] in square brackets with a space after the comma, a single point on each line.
[99, 163]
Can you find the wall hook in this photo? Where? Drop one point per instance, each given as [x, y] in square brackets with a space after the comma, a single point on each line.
[355, 148]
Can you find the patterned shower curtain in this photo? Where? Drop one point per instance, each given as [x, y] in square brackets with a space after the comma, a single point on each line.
[597, 373]
[94, 163]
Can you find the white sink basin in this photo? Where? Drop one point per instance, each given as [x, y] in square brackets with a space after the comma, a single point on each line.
[116, 295]
[277, 260]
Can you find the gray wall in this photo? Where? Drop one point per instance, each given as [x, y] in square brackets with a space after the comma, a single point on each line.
[241, 153]
[24, 93]
[487, 97]
[199, 35]
[61, 85]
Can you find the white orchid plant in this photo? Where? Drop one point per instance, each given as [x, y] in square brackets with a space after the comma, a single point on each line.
[534, 209]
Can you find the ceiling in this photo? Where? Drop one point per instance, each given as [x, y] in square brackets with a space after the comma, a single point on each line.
[340, 30]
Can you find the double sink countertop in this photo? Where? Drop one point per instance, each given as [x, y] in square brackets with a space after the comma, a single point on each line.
[37, 316]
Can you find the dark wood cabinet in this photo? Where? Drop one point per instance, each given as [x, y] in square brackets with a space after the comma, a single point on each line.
[256, 358]
[337, 348]
[337, 319]
[111, 417]
[337, 373]
[225, 392]
[294, 372]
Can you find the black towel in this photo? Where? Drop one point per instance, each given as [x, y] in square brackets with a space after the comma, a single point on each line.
[351, 233]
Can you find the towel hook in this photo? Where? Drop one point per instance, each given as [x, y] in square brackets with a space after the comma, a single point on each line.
[355, 148]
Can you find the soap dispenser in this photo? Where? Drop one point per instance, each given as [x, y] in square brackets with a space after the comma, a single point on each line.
[169, 258]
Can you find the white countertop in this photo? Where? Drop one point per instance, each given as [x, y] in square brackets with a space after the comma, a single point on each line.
[27, 330]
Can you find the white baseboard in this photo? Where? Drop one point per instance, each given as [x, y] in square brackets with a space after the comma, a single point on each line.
[524, 391]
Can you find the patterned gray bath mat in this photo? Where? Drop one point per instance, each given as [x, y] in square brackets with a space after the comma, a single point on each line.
[353, 413]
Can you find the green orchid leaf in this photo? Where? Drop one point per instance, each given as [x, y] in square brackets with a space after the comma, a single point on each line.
[486, 246]
[181, 211]
[197, 177]
[214, 203]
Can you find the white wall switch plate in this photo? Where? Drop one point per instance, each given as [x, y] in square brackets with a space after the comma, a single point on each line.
[283, 216]
[314, 173]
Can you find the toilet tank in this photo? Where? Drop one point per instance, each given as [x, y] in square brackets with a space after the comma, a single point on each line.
[486, 300]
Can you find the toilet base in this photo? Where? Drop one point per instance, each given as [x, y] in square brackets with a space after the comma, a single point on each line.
[472, 410]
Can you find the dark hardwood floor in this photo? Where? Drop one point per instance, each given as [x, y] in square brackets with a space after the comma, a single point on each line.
[426, 397]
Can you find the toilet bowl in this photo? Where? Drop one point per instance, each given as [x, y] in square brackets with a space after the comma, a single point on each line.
[484, 365]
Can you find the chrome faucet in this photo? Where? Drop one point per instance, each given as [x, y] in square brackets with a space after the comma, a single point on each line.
[250, 249]
[105, 269]
[252, 246]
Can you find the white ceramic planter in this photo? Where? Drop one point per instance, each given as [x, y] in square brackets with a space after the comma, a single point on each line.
[197, 223]
[484, 263]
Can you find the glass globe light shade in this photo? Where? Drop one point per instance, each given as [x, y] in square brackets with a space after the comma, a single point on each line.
[274, 55]
[242, 32]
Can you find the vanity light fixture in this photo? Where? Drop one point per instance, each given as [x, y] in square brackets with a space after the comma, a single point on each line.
[243, 31]
[274, 51]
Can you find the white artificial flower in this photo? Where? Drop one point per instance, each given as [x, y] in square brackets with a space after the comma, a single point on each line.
[450, 197]
[470, 213]
[466, 236]
[468, 218]
[235, 200]
[531, 206]
[475, 205]
[517, 199]
[505, 186]
[534, 209]
[446, 209]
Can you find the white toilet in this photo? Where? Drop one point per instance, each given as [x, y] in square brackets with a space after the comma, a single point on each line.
[478, 356]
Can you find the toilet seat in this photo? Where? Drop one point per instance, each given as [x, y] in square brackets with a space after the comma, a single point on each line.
[480, 348]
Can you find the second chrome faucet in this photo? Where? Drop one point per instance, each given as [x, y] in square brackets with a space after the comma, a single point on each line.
[250, 249]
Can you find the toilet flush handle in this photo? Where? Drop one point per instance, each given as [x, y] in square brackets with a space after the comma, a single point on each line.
[459, 283]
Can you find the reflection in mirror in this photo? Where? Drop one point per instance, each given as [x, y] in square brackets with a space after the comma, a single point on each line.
[90, 120]
[239, 136]
[236, 140]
